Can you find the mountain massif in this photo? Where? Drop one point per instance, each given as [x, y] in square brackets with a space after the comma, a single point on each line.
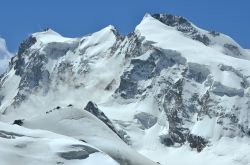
[168, 93]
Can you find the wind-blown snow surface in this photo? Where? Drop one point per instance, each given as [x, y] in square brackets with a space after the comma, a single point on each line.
[4, 56]
[24, 146]
[175, 93]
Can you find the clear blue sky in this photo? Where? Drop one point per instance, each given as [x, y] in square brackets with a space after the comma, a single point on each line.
[74, 18]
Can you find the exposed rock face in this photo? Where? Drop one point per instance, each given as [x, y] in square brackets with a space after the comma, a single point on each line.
[197, 72]
[166, 140]
[214, 33]
[19, 63]
[29, 65]
[197, 142]
[83, 153]
[146, 120]
[145, 70]
[18, 122]
[55, 50]
[92, 108]
[26, 44]
[222, 90]
[9, 135]
[232, 50]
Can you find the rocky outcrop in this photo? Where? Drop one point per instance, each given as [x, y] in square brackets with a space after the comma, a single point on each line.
[197, 72]
[18, 122]
[232, 50]
[19, 63]
[222, 90]
[194, 141]
[145, 119]
[93, 109]
[79, 152]
[197, 142]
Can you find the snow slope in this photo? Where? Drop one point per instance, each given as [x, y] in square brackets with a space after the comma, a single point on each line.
[24, 146]
[82, 125]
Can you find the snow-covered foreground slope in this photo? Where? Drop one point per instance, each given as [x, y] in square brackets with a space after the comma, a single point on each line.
[81, 125]
[227, 151]
[23, 146]
[170, 90]
[5, 56]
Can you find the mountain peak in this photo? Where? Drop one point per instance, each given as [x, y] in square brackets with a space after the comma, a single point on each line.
[49, 35]
[108, 29]
[147, 15]
[170, 19]
[167, 19]
[182, 26]
[47, 31]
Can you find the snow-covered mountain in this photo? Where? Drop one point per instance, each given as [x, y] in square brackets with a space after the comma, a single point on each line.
[5, 56]
[169, 92]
